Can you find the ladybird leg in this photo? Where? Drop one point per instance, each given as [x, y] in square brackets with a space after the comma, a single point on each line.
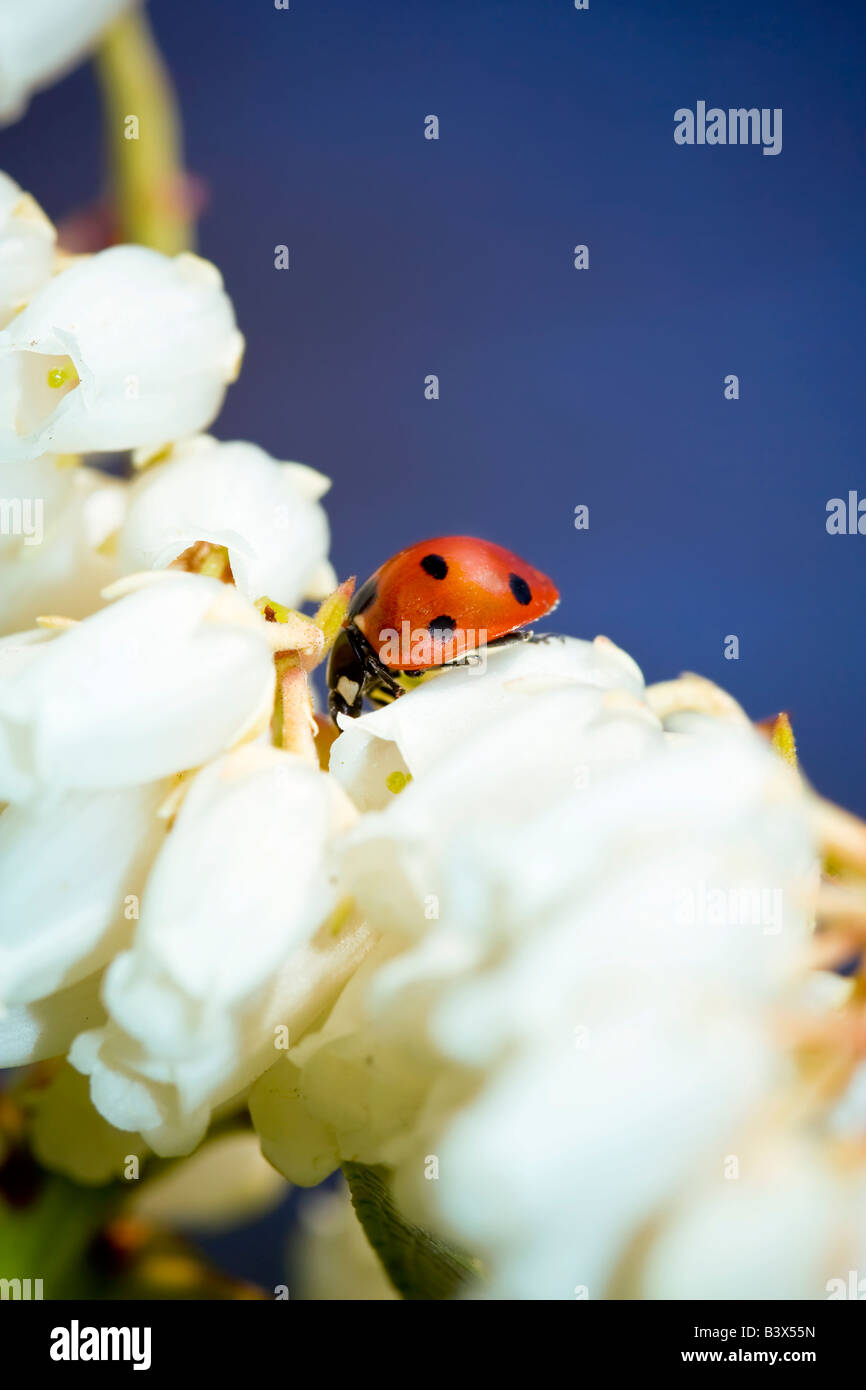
[383, 680]
[470, 659]
[379, 694]
[339, 704]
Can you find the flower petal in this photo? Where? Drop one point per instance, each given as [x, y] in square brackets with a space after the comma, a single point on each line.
[121, 350]
[151, 685]
[27, 241]
[234, 495]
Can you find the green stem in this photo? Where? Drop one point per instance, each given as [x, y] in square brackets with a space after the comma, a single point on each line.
[147, 175]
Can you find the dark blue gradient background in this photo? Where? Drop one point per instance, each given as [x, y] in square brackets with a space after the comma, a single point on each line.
[557, 387]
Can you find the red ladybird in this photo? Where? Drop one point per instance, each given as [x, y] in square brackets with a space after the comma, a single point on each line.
[431, 605]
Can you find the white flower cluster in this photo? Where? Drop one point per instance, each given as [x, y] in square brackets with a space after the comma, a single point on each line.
[128, 349]
[563, 1044]
[165, 896]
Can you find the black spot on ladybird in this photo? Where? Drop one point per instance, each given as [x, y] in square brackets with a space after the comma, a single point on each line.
[442, 628]
[520, 589]
[434, 565]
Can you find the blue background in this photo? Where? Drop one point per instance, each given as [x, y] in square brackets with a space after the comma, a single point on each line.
[558, 387]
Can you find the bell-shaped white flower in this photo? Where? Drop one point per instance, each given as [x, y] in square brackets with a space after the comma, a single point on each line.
[236, 953]
[27, 241]
[540, 743]
[56, 524]
[160, 681]
[411, 736]
[265, 513]
[124, 349]
[38, 44]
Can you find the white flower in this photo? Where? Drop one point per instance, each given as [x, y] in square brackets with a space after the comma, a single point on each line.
[160, 681]
[236, 944]
[411, 735]
[57, 522]
[779, 1230]
[265, 513]
[39, 43]
[559, 714]
[27, 241]
[124, 349]
[583, 1023]
[546, 732]
[45, 1028]
[607, 972]
[344, 1092]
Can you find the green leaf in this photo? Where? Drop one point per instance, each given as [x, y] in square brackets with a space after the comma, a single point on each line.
[419, 1265]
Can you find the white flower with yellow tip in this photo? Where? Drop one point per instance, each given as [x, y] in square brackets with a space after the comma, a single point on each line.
[27, 244]
[122, 350]
[165, 678]
[376, 753]
[39, 43]
[240, 948]
[265, 514]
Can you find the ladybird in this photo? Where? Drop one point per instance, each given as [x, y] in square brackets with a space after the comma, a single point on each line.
[432, 605]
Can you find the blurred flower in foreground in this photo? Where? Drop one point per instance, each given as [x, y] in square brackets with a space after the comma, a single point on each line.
[38, 44]
[619, 1016]
[569, 1036]
[224, 1184]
